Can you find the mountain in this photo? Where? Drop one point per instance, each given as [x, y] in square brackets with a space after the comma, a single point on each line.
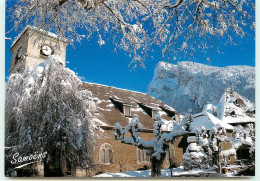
[193, 85]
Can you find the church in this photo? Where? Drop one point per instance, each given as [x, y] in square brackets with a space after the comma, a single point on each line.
[32, 46]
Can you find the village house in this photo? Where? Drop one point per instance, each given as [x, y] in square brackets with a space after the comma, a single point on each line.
[238, 111]
[232, 112]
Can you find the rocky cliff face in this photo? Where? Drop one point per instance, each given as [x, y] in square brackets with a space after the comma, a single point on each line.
[192, 85]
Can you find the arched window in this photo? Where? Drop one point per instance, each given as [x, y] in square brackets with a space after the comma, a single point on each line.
[141, 155]
[105, 154]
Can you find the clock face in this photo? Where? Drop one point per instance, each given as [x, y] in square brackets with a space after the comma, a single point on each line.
[46, 50]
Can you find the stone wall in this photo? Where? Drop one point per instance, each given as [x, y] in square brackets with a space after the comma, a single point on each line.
[124, 157]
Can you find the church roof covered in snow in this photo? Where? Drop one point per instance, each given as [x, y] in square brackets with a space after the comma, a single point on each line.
[120, 105]
[208, 121]
[235, 109]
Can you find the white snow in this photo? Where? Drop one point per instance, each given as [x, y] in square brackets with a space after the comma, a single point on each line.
[227, 105]
[147, 173]
[228, 152]
[192, 85]
[208, 121]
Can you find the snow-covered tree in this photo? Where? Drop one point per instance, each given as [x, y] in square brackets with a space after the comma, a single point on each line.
[155, 149]
[212, 142]
[47, 112]
[137, 26]
[194, 156]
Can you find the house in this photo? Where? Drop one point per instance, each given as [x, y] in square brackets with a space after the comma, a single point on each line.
[235, 109]
[237, 112]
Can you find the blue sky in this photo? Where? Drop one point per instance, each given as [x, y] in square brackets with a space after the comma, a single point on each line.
[102, 65]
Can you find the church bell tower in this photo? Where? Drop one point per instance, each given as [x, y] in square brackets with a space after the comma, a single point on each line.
[33, 46]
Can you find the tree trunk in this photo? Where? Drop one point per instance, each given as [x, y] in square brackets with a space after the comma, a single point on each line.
[219, 163]
[156, 167]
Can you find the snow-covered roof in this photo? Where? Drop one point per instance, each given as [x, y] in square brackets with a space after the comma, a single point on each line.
[233, 108]
[208, 121]
[29, 27]
[111, 101]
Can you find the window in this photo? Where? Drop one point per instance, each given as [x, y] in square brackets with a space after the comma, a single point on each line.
[177, 118]
[239, 102]
[18, 55]
[170, 154]
[105, 154]
[232, 113]
[96, 104]
[151, 111]
[154, 111]
[170, 113]
[121, 106]
[141, 155]
[228, 158]
[127, 110]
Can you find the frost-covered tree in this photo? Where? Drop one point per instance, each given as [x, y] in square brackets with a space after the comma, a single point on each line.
[46, 112]
[155, 149]
[137, 26]
[212, 142]
[194, 156]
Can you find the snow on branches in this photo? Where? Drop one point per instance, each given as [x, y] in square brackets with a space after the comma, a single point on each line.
[157, 148]
[137, 26]
[195, 157]
[213, 140]
[42, 105]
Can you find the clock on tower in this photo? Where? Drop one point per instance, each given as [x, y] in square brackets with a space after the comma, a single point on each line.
[33, 46]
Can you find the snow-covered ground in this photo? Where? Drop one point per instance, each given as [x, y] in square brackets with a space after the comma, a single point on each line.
[147, 173]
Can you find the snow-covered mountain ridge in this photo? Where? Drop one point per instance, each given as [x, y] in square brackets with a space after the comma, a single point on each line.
[192, 85]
